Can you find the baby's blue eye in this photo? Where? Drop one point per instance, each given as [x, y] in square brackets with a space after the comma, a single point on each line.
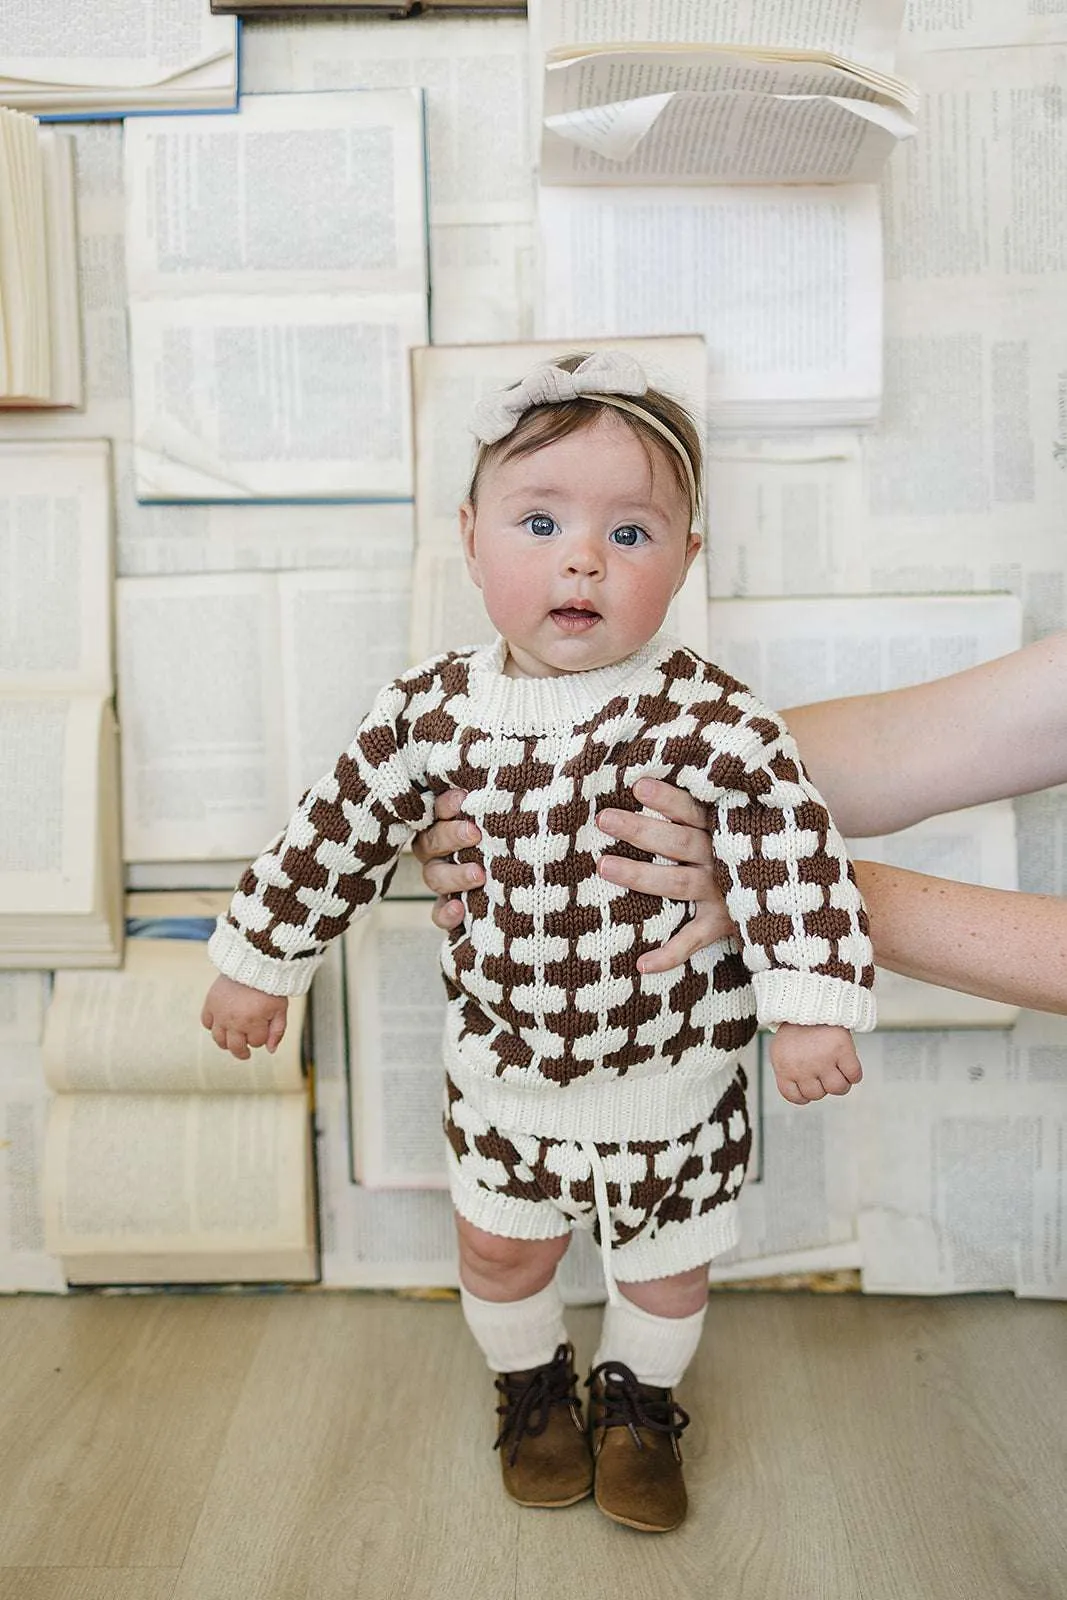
[629, 536]
[540, 525]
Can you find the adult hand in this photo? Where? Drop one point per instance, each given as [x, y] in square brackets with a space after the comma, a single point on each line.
[683, 838]
[433, 850]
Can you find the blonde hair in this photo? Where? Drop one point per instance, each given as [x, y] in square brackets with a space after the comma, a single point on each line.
[545, 424]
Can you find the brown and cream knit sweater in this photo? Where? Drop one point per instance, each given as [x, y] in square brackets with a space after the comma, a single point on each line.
[550, 1026]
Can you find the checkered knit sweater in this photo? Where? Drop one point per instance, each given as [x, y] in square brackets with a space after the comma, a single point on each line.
[550, 1026]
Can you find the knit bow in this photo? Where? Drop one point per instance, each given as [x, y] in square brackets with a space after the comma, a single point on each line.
[606, 372]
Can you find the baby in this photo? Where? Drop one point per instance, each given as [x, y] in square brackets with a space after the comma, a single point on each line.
[579, 1090]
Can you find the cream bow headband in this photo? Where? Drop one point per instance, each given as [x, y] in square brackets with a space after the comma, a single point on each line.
[605, 378]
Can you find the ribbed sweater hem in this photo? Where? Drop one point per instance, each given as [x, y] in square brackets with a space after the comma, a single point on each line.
[812, 998]
[661, 1105]
[237, 959]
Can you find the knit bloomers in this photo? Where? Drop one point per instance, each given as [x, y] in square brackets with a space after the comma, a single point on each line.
[656, 1206]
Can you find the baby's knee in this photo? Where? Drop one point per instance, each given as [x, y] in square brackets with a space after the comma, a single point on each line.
[522, 1266]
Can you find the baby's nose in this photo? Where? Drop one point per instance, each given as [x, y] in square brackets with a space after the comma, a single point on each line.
[583, 555]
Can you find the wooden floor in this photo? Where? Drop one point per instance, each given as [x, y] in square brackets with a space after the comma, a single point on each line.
[307, 1447]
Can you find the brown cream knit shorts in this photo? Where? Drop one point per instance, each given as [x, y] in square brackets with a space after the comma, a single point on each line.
[672, 1203]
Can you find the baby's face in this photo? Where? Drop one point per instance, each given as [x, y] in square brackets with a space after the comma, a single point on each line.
[578, 548]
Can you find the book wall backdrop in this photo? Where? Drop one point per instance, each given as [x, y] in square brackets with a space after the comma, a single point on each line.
[225, 420]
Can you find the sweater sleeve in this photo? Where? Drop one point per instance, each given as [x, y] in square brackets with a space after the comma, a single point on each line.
[334, 859]
[786, 876]
[790, 888]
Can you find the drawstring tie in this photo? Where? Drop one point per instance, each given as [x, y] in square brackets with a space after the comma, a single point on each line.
[603, 1216]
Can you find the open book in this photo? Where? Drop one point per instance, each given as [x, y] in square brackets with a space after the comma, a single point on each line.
[166, 1159]
[705, 168]
[720, 110]
[446, 608]
[40, 333]
[794, 651]
[60, 868]
[276, 270]
[116, 56]
[239, 689]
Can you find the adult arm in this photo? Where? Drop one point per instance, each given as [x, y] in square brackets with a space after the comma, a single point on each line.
[990, 942]
[885, 761]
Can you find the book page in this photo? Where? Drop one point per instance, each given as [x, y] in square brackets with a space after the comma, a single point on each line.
[709, 117]
[342, 636]
[300, 193]
[473, 71]
[483, 280]
[49, 804]
[138, 1031]
[396, 1014]
[790, 652]
[784, 284]
[865, 30]
[200, 699]
[22, 1001]
[297, 396]
[122, 44]
[953, 1132]
[975, 197]
[55, 566]
[129, 1175]
[786, 514]
[969, 24]
[24, 1262]
[1039, 1053]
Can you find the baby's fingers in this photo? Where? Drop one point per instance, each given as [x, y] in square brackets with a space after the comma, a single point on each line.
[236, 1043]
[790, 1090]
[276, 1032]
[834, 1080]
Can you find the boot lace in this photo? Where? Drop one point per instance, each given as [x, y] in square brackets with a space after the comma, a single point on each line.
[528, 1399]
[625, 1403]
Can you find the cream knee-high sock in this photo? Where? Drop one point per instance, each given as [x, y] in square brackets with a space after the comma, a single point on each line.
[515, 1335]
[657, 1350]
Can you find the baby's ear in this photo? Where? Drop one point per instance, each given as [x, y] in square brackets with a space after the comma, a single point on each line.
[691, 552]
[466, 534]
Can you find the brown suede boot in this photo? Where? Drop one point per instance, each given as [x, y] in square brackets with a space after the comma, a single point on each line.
[634, 1430]
[544, 1451]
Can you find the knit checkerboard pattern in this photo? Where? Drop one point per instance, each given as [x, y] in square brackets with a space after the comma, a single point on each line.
[508, 1184]
[542, 978]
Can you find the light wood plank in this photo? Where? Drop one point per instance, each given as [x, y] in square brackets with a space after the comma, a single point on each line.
[114, 1412]
[87, 1583]
[355, 1463]
[319, 1446]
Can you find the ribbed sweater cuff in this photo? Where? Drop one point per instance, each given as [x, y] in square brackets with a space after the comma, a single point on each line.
[811, 998]
[237, 959]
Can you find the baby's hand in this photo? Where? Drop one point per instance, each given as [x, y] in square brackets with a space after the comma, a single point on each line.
[810, 1062]
[237, 1016]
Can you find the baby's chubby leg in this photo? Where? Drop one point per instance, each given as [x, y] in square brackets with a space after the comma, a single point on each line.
[500, 1269]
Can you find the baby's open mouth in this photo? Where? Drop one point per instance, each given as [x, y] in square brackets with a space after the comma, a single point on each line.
[575, 618]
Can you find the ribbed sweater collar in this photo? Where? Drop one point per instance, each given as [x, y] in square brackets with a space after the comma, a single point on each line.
[539, 705]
